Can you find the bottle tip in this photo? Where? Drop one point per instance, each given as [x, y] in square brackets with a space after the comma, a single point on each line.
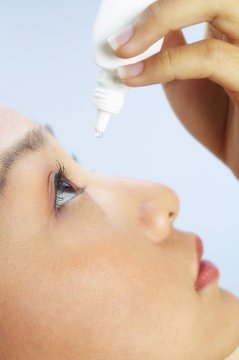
[98, 134]
[103, 118]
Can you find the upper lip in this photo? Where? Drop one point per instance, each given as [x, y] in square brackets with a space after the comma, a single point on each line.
[199, 250]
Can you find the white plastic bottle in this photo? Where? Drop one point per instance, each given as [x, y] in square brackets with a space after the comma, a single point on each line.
[113, 16]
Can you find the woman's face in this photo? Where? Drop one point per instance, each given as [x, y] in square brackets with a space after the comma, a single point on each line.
[102, 274]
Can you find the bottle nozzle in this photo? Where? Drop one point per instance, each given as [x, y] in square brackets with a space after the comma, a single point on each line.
[98, 134]
[103, 118]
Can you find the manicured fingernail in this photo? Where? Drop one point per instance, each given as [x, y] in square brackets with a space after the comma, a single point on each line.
[121, 38]
[130, 70]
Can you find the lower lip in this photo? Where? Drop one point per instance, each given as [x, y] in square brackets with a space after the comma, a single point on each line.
[207, 274]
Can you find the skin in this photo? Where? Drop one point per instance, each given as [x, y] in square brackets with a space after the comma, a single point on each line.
[201, 80]
[106, 277]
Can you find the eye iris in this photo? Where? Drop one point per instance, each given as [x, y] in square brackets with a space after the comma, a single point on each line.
[64, 192]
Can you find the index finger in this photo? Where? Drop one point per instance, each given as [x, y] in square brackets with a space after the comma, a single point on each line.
[163, 16]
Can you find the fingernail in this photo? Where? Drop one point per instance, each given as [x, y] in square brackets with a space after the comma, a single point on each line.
[130, 70]
[121, 38]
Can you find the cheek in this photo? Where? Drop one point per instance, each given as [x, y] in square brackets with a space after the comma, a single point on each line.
[135, 301]
[115, 297]
[74, 293]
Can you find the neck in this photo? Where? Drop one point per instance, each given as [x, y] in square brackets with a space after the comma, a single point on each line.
[234, 355]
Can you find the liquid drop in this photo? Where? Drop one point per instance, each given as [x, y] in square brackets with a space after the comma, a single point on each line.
[99, 134]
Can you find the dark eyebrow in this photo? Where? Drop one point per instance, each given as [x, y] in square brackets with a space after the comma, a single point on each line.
[32, 141]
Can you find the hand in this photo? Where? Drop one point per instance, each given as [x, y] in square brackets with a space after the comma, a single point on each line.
[201, 80]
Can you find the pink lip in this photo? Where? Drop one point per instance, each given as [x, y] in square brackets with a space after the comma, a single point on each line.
[207, 272]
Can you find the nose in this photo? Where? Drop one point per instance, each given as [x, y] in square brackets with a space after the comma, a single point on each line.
[157, 210]
[150, 207]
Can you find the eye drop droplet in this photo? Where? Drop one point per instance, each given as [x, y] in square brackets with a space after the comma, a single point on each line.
[99, 134]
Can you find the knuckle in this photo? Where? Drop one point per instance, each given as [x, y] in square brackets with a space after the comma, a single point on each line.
[167, 59]
[213, 55]
[214, 48]
[219, 55]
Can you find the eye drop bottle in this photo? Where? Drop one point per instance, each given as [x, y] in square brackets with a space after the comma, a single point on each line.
[113, 16]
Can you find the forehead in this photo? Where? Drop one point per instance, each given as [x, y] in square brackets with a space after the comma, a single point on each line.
[13, 126]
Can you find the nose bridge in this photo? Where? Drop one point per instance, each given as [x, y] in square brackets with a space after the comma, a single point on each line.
[152, 207]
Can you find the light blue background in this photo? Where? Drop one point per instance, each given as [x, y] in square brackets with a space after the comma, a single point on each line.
[47, 73]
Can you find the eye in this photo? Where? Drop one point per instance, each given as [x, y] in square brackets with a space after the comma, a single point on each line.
[64, 189]
[64, 192]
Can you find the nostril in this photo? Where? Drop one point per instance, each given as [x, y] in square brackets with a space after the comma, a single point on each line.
[171, 215]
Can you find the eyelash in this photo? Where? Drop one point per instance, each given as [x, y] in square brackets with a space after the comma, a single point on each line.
[59, 178]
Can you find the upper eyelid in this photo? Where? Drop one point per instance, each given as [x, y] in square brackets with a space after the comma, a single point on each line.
[60, 169]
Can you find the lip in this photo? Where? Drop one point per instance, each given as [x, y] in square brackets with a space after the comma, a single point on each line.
[207, 271]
